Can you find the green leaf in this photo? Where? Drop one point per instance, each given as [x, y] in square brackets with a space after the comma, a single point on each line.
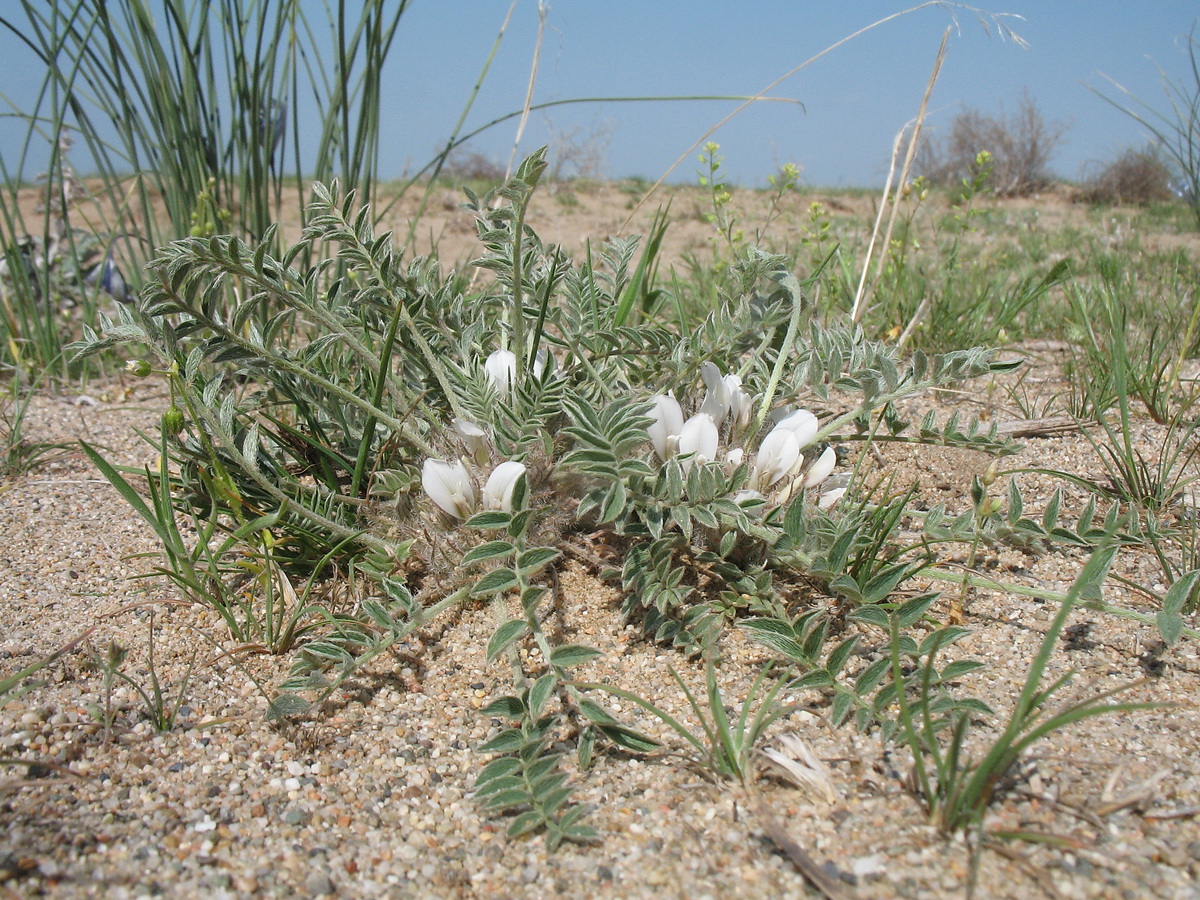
[941, 638]
[959, 668]
[503, 636]
[490, 550]
[500, 767]
[778, 635]
[839, 655]
[534, 560]
[489, 521]
[872, 615]
[595, 713]
[628, 738]
[508, 707]
[495, 582]
[531, 595]
[914, 609]
[869, 677]
[553, 799]
[541, 691]
[817, 678]
[976, 706]
[506, 741]
[1181, 595]
[704, 516]
[572, 655]
[840, 707]
[507, 799]
[526, 822]
[586, 748]
[1015, 504]
[499, 784]
[520, 522]
[614, 503]
[287, 705]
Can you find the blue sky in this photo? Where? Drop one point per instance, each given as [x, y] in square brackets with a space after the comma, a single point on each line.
[855, 98]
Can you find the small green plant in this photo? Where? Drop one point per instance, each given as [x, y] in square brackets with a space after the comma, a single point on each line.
[781, 184]
[956, 788]
[161, 709]
[719, 197]
[18, 454]
[722, 747]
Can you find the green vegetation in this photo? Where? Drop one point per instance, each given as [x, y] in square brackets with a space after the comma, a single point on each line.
[344, 412]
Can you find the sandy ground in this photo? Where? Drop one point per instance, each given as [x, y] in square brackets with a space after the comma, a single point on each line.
[374, 798]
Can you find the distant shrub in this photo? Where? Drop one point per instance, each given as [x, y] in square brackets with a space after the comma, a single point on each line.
[1175, 129]
[1021, 146]
[464, 165]
[1135, 176]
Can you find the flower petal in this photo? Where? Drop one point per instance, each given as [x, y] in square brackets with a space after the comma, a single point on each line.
[716, 398]
[668, 422]
[803, 424]
[498, 492]
[779, 455]
[821, 469]
[699, 437]
[740, 402]
[449, 486]
[474, 438]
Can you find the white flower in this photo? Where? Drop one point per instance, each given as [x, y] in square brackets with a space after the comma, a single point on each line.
[716, 398]
[540, 360]
[803, 424]
[699, 437]
[474, 438]
[740, 403]
[667, 424]
[449, 486]
[734, 457]
[821, 469]
[501, 368]
[724, 397]
[498, 492]
[779, 456]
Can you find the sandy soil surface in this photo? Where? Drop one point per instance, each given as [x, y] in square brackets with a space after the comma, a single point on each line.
[375, 798]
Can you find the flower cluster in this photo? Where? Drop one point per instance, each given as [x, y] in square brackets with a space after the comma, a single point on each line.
[780, 459]
[450, 486]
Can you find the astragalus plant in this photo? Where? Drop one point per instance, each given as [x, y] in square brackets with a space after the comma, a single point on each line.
[438, 444]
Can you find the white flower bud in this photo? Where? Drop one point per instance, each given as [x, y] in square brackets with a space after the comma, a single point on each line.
[474, 438]
[501, 368]
[740, 403]
[716, 398]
